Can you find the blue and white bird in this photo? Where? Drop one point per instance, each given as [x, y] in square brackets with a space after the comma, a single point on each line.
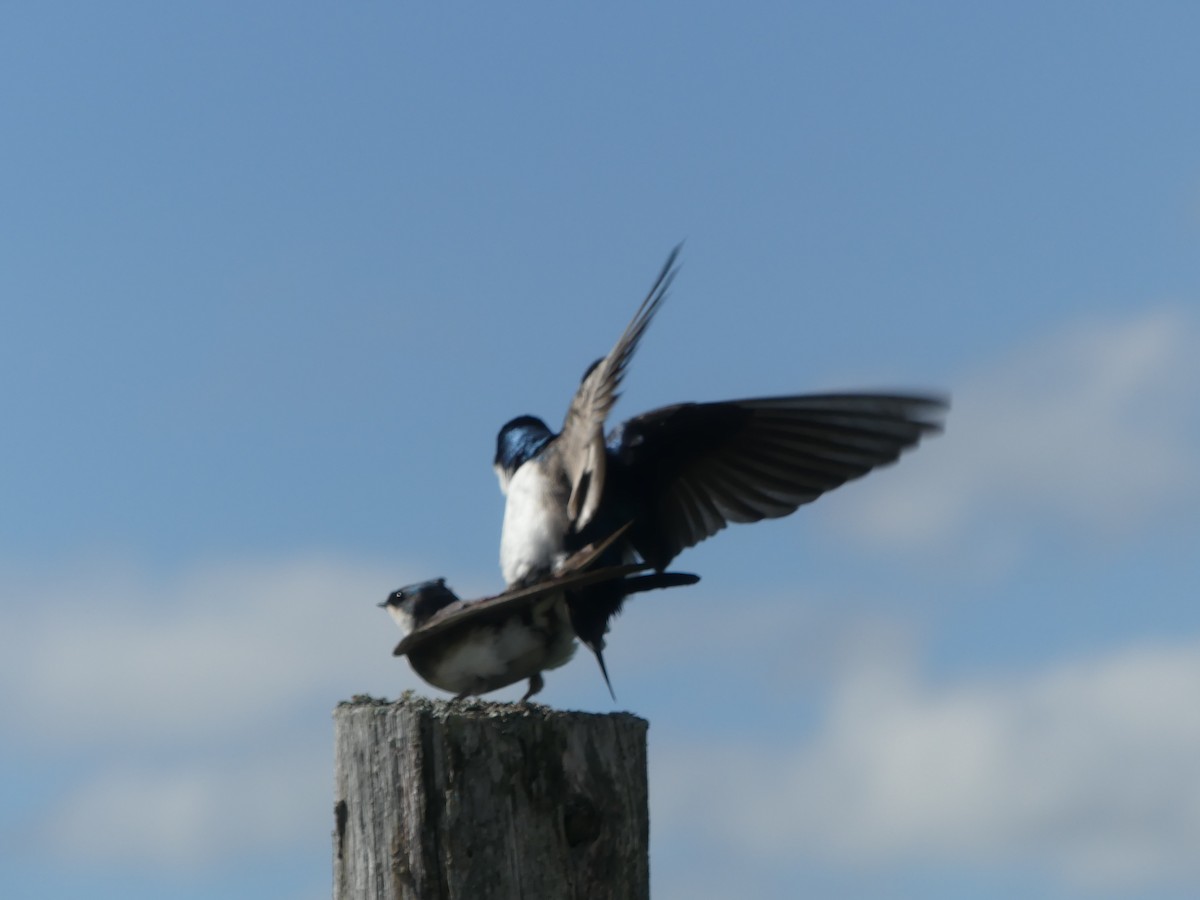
[678, 474]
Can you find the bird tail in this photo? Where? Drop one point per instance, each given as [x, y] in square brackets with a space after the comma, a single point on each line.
[598, 649]
[656, 580]
[591, 630]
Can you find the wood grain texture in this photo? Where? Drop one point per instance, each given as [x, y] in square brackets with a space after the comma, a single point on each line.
[475, 800]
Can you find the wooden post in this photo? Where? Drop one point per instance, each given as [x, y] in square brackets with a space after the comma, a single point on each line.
[472, 800]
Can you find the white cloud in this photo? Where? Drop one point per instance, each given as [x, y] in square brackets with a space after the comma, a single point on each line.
[191, 712]
[107, 656]
[192, 755]
[187, 815]
[1096, 427]
[1090, 771]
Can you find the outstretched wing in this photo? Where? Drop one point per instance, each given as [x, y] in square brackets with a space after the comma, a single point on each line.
[695, 467]
[575, 573]
[582, 438]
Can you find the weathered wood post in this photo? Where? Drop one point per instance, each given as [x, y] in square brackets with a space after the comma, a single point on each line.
[475, 800]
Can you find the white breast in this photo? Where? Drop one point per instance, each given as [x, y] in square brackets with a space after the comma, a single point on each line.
[488, 657]
[402, 618]
[469, 664]
[535, 523]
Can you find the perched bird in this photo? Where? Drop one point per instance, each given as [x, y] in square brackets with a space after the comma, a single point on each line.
[678, 474]
[473, 647]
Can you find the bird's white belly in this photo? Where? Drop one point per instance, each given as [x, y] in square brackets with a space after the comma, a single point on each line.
[535, 524]
[486, 660]
[494, 656]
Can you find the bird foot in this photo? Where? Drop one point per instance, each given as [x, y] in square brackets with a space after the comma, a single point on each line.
[536, 683]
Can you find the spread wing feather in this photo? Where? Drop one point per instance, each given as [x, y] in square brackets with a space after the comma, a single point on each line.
[696, 467]
[582, 438]
[579, 570]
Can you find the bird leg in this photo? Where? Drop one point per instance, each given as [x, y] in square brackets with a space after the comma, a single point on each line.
[535, 685]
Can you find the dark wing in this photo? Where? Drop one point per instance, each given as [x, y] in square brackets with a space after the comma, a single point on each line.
[693, 468]
[582, 439]
[489, 609]
[574, 573]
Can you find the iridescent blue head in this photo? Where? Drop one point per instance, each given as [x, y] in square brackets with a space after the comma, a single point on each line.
[520, 440]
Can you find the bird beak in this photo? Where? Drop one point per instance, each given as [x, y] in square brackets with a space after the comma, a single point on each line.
[382, 605]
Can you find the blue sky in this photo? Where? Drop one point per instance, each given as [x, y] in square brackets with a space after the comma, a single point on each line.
[273, 276]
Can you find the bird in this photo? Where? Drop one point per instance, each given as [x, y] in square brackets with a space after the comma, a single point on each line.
[674, 476]
[475, 647]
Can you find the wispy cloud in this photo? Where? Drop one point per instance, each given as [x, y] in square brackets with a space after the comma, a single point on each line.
[192, 711]
[1096, 427]
[109, 655]
[1088, 770]
[188, 814]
